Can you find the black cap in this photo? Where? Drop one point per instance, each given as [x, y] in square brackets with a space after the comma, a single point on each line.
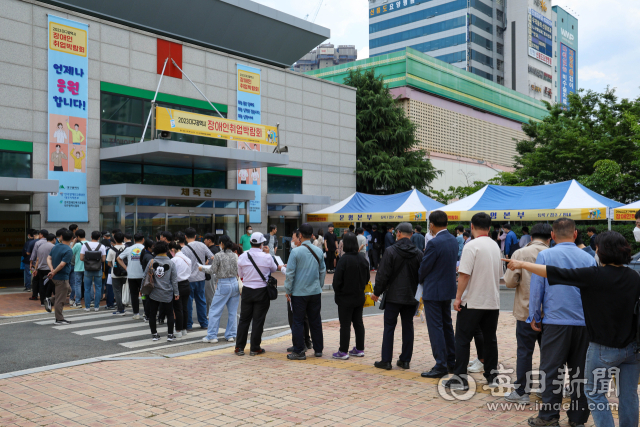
[330, 225]
[306, 229]
[375, 227]
[404, 227]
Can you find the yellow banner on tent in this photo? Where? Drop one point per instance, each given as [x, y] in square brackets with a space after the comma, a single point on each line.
[373, 217]
[171, 120]
[624, 214]
[534, 214]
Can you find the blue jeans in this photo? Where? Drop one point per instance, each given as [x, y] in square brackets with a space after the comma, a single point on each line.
[76, 281]
[197, 293]
[27, 276]
[227, 295]
[92, 278]
[625, 364]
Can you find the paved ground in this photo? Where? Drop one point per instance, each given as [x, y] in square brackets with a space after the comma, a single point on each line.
[217, 388]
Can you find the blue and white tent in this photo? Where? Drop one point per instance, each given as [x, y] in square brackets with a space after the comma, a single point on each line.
[359, 207]
[539, 203]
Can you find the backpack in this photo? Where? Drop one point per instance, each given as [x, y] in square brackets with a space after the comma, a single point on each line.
[117, 268]
[93, 258]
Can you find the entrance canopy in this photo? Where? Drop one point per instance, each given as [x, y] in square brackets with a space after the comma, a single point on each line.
[408, 206]
[538, 203]
[626, 213]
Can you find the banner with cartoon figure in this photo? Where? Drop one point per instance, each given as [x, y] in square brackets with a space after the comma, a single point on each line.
[68, 99]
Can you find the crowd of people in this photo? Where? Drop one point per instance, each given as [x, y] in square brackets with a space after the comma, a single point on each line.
[575, 301]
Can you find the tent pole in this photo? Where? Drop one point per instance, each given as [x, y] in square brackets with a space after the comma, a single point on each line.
[609, 219]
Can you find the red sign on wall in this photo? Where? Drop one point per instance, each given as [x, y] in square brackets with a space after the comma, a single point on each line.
[167, 49]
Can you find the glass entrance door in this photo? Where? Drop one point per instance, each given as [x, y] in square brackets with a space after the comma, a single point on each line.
[286, 227]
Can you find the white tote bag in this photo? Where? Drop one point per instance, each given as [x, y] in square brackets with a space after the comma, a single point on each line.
[126, 295]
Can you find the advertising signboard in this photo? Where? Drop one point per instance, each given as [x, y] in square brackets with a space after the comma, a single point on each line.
[567, 73]
[540, 37]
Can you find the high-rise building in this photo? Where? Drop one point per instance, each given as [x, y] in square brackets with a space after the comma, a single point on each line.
[326, 55]
[465, 33]
[565, 38]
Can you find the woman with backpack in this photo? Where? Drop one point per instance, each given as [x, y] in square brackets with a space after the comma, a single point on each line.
[164, 278]
[145, 257]
[225, 267]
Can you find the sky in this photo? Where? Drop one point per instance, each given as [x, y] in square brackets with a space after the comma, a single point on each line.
[608, 53]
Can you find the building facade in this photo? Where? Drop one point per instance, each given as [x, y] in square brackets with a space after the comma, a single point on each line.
[565, 38]
[171, 180]
[465, 33]
[326, 55]
[468, 126]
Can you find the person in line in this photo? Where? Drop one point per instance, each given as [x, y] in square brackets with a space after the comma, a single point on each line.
[511, 243]
[118, 272]
[350, 279]
[210, 285]
[35, 279]
[466, 236]
[526, 237]
[145, 258]
[59, 262]
[330, 248]
[255, 300]
[245, 240]
[362, 244]
[182, 265]
[306, 271]
[388, 238]
[502, 237]
[107, 289]
[438, 277]
[78, 269]
[93, 270]
[609, 294]
[460, 239]
[212, 241]
[526, 337]
[580, 243]
[636, 229]
[340, 252]
[128, 240]
[199, 254]
[591, 232]
[225, 267]
[418, 238]
[130, 260]
[295, 243]
[564, 334]
[319, 242]
[398, 278]
[272, 239]
[42, 271]
[367, 232]
[477, 302]
[295, 239]
[165, 288]
[24, 262]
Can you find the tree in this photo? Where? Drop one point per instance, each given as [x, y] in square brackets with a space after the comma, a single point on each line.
[457, 193]
[387, 156]
[573, 141]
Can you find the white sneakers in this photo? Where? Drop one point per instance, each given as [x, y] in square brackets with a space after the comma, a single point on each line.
[232, 339]
[177, 334]
[136, 317]
[516, 398]
[96, 309]
[210, 341]
[475, 367]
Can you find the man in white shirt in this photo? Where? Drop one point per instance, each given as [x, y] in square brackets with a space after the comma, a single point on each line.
[181, 306]
[477, 302]
[636, 230]
[92, 277]
[135, 273]
[255, 300]
[199, 254]
[117, 278]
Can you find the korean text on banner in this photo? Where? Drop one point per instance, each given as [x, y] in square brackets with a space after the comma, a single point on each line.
[68, 99]
[250, 111]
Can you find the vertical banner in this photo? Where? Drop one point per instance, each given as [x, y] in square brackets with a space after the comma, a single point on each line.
[68, 99]
[249, 110]
[567, 73]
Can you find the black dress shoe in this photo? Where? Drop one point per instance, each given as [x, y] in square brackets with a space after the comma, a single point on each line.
[290, 349]
[383, 365]
[309, 345]
[434, 373]
[403, 365]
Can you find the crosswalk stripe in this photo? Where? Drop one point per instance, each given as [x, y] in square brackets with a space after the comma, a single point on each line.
[76, 324]
[78, 318]
[146, 331]
[113, 328]
[147, 341]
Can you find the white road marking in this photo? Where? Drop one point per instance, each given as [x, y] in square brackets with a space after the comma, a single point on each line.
[77, 324]
[146, 342]
[113, 328]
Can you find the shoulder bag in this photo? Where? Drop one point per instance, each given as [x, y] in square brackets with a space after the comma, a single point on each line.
[272, 283]
[207, 276]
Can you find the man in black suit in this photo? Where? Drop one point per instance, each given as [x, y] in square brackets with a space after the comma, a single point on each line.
[438, 279]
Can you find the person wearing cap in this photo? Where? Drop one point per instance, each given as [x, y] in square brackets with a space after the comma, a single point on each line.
[255, 300]
[397, 278]
[330, 247]
[306, 271]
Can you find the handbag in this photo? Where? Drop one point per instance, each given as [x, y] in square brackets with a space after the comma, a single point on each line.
[126, 295]
[240, 285]
[207, 276]
[148, 282]
[368, 291]
[272, 283]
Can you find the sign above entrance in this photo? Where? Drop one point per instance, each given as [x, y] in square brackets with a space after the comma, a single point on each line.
[171, 120]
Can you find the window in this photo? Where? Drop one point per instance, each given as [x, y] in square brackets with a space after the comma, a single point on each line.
[478, 5]
[122, 119]
[482, 58]
[482, 24]
[500, 80]
[500, 49]
[14, 164]
[456, 40]
[120, 173]
[209, 179]
[481, 41]
[279, 184]
[500, 32]
[418, 32]
[500, 15]
[453, 57]
[418, 16]
[167, 175]
[135, 173]
[481, 73]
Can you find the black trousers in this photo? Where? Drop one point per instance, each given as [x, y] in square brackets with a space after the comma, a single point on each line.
[134, 291]
[307, 337]
[348, 316]
[374, 257]
[526, 339]
[469, 319]
[254, 306]
[153, 308]
[478, 340]
[440, 327]
[564, 345]
[180, 307]
[37, 285]
[391, 312]
[310, 306]
[331, 256]
[45, 290]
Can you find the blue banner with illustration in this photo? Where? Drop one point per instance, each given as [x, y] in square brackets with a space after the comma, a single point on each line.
[250, 110]
[68, 99]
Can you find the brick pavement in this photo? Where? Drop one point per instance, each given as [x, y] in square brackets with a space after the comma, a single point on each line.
[218, 388]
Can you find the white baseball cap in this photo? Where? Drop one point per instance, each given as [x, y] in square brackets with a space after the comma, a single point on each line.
[257, 238]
